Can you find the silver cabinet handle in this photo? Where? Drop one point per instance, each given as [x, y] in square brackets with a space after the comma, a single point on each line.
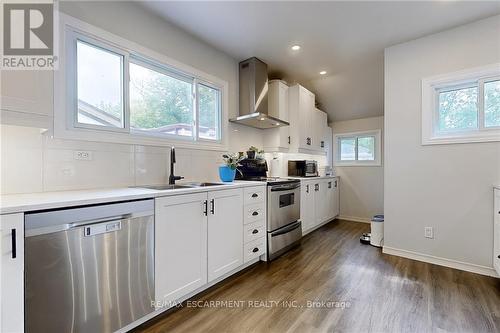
[255, 195]
[255, 231]
[255, 213]
[256, 249]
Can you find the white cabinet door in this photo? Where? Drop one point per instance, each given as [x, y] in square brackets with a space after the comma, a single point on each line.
[336, 197]
[300, 106]
[496, 231]
[225, 232]
[319, 130]
[180, 245]
[307, 206]
[277, 139]
[12, 273]
[321, 201]
[332, 197]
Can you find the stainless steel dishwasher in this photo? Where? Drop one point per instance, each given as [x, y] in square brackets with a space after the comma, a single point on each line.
[89, 269]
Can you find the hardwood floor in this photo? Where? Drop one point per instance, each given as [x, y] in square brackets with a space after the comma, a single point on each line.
[381, 293]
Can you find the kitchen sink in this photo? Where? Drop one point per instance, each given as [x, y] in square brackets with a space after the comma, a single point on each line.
[164, 187]
[203, 184]
[177, 186]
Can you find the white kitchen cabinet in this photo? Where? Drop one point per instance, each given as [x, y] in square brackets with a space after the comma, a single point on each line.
[319, 202]
[300, 108]
[307, 205]
[277, 139]
[12, 273]
[180, 245]
[225, 232]
[319, 124]
[329, 145]
[496, 232]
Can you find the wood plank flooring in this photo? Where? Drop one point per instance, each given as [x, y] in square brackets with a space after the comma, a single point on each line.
[381, 293]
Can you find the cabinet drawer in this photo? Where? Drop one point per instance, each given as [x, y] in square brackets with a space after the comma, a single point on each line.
[254, 231]
[255, 249]
[254, 212]
[254, 194]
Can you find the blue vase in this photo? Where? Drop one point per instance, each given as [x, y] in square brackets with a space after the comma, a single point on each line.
[226, 174]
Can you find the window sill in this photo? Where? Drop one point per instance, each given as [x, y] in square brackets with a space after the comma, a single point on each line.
[358, 164]
[134, 139]
[476, 137]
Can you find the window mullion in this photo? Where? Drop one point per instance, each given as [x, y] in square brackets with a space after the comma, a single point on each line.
[356, 149]
[480, 105]
[126, 91]
[196, 111]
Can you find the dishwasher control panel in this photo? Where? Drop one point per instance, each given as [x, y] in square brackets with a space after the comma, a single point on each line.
[102, 228]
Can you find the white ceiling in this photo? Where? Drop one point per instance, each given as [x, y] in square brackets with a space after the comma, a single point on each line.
[346, 39]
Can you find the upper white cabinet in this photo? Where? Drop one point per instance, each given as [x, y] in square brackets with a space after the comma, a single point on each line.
[180, 245]
[12, 273]
[277, 139]
[300, 108]
[225, 232]
[496, 232]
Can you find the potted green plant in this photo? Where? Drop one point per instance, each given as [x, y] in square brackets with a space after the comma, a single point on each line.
[254, 152]
[227, 172]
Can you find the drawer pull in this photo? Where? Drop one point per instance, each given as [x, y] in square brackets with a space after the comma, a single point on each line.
[255, 195]
[256, 249]
[255, 213]
[255, 231]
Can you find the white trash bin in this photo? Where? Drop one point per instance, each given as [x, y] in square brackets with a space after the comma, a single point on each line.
[377, 231]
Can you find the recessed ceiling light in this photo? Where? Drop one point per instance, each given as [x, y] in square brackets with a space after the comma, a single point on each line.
[322, 72]
[262, 118]
[296, 47]
[277, 124]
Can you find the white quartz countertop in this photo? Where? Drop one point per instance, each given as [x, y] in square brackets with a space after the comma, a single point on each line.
[312, 178]
[16, 203]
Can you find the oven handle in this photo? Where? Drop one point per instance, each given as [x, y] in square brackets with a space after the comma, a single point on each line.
[287, 229]
[285, 188]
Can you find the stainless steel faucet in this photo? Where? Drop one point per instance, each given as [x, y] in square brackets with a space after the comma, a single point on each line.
[172, 178]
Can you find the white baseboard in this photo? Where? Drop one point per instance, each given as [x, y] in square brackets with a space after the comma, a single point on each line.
[354, 219]
[463, 266]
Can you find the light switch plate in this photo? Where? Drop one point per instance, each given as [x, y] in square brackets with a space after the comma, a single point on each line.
[429, 232]
[83, 155]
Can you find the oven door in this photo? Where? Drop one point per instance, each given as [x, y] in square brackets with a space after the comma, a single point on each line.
[283, 205]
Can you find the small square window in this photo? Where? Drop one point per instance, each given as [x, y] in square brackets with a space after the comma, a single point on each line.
[458, 109]
[99, 86]
[366, 148]
[347, 149]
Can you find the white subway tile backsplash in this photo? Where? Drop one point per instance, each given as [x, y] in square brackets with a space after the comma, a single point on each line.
[21, 157]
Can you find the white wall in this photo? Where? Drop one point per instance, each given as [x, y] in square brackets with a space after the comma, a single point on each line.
[361, 187]
[34, 162]
[448, 187]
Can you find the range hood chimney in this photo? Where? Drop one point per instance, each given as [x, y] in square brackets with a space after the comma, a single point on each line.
[253, 96]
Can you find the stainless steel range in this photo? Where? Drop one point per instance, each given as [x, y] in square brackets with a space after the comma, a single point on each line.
[284, 230]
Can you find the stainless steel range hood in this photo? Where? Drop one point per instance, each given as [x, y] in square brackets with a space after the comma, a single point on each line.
[253, 96]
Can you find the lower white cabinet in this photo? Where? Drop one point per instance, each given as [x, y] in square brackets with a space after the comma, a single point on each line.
[319, 202]
[225, 232]
[496, 232]
[198, 238]
[12, 273]
[180, 246]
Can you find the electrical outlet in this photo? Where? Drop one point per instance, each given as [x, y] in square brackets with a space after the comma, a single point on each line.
[429, 232]
[83, 155]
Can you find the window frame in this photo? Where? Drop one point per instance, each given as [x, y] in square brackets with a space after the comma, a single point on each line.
[433, 86]
[376, 134]
[65, 90]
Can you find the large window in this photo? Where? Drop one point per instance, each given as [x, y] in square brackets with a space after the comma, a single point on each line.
[119, 91]
[462, 107]
[357, 149]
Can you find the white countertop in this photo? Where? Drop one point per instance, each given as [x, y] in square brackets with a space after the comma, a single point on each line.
[16, 203]
[312, 178]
